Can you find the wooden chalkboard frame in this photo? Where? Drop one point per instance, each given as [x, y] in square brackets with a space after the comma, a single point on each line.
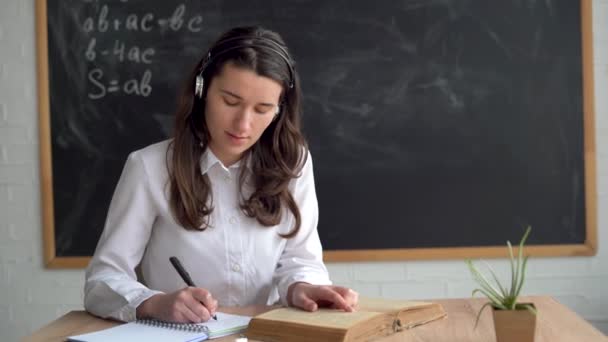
[589, 247]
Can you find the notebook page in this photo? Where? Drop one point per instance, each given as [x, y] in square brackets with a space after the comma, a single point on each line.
[226, 324]
[139, 332]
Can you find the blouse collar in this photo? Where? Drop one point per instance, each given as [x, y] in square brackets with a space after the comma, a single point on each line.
[209, 159]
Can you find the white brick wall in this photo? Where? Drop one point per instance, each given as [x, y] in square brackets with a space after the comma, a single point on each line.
[31, 296]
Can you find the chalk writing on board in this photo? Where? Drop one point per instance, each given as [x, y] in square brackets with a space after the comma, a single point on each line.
[131, 86]
[121, 52]
[105, 21]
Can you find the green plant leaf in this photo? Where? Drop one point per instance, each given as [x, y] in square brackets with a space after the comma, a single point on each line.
[516, 264]
[525, 237]
[479, 314]
[528, 307]
[482, 281]
[513, 271]
[522, 277]
[502, 289]
[493, 300]
[521, 267]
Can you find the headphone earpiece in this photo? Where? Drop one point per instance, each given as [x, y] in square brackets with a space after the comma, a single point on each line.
[199, 86]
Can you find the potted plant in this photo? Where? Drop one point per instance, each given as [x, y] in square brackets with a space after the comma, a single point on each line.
[513, 321]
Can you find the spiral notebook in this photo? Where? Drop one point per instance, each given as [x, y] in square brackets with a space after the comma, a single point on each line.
[153, 330]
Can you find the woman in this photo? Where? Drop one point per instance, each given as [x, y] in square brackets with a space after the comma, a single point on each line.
[231, 195]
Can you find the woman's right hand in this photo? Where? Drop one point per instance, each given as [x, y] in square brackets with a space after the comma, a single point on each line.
[188, 305]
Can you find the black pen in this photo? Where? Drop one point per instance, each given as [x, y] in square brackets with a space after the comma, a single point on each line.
[185, 276]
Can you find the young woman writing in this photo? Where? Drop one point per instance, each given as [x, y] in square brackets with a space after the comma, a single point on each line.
[232, 195]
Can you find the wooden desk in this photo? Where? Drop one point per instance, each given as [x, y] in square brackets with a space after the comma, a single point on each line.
[555, 323]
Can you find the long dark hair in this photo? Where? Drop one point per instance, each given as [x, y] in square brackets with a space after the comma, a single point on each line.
[276, 158]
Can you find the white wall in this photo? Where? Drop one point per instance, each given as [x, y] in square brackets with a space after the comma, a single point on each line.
[31, 296]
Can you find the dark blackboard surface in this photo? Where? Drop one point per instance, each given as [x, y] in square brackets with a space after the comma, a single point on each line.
[431, 123]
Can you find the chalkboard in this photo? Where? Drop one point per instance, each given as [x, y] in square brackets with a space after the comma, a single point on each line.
[438, 129]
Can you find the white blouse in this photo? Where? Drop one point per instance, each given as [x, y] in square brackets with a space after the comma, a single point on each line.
[237, 259]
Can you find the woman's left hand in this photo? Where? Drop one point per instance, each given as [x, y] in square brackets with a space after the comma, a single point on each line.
[310, 297]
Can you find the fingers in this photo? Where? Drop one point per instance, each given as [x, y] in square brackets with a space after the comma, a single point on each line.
[329, 294]
[186, 313]
[193, 305]
[310, 297]
[205, 297]
[301, 300]
[350, 296]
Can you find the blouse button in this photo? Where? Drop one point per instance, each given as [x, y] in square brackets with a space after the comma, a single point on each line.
[236, 267]
[232, 220]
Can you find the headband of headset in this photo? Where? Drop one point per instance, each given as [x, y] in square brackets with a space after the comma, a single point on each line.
[262, 42]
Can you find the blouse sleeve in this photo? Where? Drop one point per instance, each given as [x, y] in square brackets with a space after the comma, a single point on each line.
[111, 286]
[302, 258]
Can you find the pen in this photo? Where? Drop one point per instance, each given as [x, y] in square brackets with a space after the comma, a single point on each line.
[185, 276]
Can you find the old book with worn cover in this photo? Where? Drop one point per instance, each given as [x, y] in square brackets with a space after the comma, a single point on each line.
[373, 318]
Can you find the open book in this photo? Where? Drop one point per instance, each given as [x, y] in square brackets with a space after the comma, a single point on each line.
[374, 318]
[153, 330]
